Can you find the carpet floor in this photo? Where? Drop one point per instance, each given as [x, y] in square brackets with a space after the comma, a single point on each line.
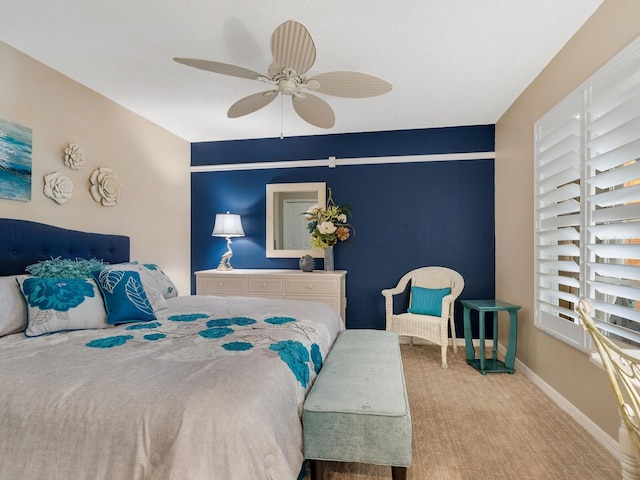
[468, 426]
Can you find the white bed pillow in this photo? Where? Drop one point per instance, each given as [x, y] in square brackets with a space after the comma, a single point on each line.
[13, 310]
[62, 304]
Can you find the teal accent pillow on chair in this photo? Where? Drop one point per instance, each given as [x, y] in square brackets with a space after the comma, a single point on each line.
[427, 301]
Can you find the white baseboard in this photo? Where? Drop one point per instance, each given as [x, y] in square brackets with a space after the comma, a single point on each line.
[596, 432]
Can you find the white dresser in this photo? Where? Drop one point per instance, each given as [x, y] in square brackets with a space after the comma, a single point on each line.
[328, 287]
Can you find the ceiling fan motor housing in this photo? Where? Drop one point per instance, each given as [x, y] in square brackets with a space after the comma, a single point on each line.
[288, 86]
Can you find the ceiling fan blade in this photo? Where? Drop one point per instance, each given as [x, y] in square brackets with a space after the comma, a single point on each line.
[314, 110]
[351, 84]
[292, 47]
[217, 67]
[250, 104]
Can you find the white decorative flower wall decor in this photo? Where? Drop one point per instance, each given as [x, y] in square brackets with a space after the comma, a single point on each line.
[74, 156]
[105, 186]
[58, 187]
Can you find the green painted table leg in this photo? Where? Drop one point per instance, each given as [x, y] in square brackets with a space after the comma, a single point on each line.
[483, 358]
[468, 337]
[510, 356]
[495, 336]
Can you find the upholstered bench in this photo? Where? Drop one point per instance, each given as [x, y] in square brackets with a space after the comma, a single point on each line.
[358, 409]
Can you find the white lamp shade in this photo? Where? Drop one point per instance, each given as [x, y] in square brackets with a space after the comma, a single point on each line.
[227, 225]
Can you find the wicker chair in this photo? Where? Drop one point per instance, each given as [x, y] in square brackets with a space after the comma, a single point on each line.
[429, 327]
[624, 375]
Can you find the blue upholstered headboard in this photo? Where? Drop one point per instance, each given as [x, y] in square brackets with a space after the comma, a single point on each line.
[23, 242]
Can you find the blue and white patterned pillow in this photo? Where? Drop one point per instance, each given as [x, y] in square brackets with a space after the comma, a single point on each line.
[151, 276]
[124, 296]
[61, 304]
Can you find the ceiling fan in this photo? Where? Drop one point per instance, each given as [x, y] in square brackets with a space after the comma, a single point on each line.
[293, 55]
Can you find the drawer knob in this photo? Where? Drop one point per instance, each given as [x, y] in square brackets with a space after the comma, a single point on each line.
[309, 286]
[264, 284]
[220, 284]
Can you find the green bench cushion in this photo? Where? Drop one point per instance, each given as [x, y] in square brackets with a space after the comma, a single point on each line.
[358, 410]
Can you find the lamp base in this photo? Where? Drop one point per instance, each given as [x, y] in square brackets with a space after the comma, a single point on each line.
[225, 267]
[225, 261]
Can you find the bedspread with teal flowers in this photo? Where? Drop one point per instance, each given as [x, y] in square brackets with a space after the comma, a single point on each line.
[302, 355]
[211, 389]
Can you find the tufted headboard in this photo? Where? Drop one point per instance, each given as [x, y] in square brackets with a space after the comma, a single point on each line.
[23, 243]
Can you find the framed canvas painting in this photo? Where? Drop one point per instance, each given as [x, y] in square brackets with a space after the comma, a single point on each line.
[15, 161]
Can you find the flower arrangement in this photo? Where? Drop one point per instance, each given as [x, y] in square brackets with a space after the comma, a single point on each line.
[328, 225]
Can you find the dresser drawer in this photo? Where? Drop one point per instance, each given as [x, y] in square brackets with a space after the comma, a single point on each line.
[334, 301]
[312, 286]
[221, 286]
[266, 285]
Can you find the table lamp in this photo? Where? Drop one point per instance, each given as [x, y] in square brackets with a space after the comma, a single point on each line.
[227, 225]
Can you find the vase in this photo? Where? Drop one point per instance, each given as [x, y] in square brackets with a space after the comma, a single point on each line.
[328, 259]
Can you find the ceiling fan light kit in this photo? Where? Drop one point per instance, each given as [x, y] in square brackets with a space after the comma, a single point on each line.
[294, 53]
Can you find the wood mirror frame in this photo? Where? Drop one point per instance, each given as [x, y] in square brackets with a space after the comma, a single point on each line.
[299, 196]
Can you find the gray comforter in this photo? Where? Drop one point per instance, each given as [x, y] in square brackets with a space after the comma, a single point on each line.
[212, 390]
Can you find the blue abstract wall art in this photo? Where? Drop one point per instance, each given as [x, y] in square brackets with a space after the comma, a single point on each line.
[15, 161]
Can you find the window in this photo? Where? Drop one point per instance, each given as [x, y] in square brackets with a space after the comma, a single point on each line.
[587, 205]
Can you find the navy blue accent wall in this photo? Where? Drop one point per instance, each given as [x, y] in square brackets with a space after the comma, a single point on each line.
[406, 215]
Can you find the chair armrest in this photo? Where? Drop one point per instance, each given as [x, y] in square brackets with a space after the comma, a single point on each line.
[447, 306]
[388, 304]
[389, 293]
[448, 303]
[400, 288]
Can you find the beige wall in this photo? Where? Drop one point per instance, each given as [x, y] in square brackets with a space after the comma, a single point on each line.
[566, 370]
[152, 164]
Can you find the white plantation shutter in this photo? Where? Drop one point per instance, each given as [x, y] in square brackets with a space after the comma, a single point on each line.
[558, 220]
[587, 205]
[613, 201]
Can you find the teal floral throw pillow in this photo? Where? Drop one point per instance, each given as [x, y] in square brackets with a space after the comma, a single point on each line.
[124, 297]
[61, 304]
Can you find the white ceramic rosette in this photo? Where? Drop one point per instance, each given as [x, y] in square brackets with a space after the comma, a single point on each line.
[58, 187]
[74, 156]
[106, 187]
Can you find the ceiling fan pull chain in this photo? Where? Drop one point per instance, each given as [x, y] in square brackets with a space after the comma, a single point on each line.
[281, 118]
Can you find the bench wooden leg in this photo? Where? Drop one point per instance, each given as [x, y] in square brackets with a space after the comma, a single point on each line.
[399, 473]
[317, 470]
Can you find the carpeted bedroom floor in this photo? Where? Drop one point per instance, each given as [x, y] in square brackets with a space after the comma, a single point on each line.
[467, 426]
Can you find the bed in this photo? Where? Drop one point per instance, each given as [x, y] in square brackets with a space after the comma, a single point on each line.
[210, 388]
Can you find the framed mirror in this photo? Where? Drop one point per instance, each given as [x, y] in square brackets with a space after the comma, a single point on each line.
[287, 234]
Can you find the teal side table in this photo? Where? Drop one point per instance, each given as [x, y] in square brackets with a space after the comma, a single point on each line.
[491, 365]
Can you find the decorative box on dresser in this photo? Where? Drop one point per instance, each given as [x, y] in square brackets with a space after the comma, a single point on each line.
[322, 286]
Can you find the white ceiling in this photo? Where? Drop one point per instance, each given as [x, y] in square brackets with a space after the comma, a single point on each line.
[451, 62]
